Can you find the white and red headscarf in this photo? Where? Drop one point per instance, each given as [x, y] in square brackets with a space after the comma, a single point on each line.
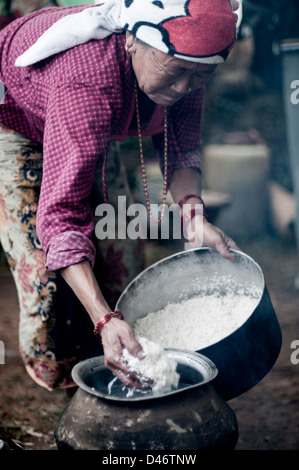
[195, 30]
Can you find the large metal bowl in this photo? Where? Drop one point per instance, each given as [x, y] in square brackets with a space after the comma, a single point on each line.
[243, 357]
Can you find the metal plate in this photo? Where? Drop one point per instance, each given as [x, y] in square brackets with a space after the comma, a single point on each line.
[93, 376]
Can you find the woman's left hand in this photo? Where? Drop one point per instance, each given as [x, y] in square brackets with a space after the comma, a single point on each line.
[202, 233]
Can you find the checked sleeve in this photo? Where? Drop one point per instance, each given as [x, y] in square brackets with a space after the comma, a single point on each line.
[77, 130]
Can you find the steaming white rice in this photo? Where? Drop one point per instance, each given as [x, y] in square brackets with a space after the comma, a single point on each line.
[156, 366]
[202, 320]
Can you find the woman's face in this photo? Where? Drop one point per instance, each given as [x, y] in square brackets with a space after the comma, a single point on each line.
[163, 78]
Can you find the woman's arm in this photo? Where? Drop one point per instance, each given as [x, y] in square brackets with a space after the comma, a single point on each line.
[116, 334]
[65, 222]
[187, 181]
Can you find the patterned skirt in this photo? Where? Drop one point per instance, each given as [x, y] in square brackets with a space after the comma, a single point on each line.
[55, 331]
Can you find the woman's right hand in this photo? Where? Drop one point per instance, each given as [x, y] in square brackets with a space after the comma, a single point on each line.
[117, 335]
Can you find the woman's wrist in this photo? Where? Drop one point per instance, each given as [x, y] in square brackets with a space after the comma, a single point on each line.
[82, 281]
[105, 319]
[189, 199]
[189, 207]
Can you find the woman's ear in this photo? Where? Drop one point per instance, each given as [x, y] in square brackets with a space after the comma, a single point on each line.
[130, 45]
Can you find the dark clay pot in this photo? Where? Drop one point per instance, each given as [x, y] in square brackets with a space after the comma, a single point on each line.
[197, 419]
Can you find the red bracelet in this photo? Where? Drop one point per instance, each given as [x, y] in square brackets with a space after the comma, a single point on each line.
[192, 212]
[186, 198]
[105, 319]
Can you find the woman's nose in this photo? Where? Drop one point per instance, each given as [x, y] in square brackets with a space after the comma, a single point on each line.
[181, 85]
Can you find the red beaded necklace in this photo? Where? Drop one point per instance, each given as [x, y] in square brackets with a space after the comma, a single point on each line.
[142, 162]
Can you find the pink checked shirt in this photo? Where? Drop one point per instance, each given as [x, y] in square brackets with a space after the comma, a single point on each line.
[75, 103]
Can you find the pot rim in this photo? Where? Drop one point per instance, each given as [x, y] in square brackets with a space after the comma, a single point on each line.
[186, 253]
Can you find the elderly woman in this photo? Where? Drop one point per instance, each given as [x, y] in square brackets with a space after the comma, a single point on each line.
[77, 79]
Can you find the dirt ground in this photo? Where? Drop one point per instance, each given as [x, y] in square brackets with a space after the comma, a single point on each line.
[268, 414]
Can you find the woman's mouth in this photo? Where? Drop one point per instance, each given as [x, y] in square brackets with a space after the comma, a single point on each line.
[165, 99]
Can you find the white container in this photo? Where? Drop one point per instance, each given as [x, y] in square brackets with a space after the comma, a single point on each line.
[242, 172]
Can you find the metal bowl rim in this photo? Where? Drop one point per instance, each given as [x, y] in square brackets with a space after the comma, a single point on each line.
[185, 253]
[87, 364]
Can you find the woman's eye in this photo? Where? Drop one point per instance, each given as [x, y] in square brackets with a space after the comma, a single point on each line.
[202, 79]
[177, 72]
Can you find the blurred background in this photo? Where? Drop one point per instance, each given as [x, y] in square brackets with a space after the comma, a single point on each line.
[250, 158]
